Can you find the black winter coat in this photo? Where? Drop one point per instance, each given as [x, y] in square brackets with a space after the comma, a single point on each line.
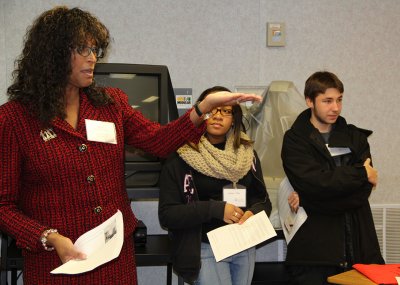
[340, 229]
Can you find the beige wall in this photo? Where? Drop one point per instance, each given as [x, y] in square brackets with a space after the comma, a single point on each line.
[223, 42]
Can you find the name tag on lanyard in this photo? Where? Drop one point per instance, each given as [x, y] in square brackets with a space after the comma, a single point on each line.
[234, 194]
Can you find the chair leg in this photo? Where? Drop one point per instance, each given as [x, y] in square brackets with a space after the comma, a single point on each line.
[14, 277]
[3, 277]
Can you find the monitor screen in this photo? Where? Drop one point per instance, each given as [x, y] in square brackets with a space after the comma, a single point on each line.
[149, 91]
[143, 95]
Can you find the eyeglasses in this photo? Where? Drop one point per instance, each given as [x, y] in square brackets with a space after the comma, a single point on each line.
[86, 51]
[223, 112]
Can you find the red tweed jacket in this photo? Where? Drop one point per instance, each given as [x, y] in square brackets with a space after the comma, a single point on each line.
[63, 182]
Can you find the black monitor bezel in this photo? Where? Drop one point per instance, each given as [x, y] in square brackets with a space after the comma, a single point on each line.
[143, 69]
[166, 111]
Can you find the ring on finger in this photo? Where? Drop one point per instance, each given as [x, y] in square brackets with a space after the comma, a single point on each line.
[235, 214]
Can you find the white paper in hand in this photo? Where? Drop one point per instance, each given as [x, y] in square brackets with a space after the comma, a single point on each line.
[291, 222]
[101, 244]
[231, 239]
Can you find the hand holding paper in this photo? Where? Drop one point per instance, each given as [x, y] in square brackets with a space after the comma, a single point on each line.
[290, 221]
[101, 244]
[231, 239]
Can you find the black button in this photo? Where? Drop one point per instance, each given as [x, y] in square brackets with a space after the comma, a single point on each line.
[82, 147]
[90, 179]
[97, 210]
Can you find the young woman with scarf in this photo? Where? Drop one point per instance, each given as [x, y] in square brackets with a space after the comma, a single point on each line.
[194, 182]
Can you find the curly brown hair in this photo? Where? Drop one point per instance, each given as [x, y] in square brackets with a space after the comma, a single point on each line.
[44, 66]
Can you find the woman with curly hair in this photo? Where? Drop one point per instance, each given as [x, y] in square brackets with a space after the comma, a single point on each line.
[58, 178]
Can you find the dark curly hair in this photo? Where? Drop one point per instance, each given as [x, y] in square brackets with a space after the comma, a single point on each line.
[42, 70]
[237, 116]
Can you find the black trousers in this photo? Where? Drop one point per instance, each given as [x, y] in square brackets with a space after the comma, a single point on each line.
[311, 275]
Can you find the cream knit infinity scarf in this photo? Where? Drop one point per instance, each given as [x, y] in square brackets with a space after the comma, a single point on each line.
[222, 164]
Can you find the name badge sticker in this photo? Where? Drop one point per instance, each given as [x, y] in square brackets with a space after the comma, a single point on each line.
[100, 131]
[234, 194]
[336, 151]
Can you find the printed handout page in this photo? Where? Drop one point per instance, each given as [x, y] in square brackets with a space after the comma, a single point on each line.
[231, 239]
[101, 244]
[290, 221]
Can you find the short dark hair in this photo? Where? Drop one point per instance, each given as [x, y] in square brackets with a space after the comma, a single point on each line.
[318, 82]
[237, 116]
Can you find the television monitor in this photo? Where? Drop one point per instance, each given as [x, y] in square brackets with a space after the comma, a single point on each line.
[149, 91]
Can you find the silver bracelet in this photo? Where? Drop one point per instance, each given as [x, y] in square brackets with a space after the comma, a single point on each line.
[43, 239]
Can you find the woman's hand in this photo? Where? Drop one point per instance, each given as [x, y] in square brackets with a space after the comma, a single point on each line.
[246, 215]
[232, 214]
[64, 248]
[218, 99]
[224, 98]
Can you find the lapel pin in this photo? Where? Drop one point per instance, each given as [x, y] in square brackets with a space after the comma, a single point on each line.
[48, 134]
